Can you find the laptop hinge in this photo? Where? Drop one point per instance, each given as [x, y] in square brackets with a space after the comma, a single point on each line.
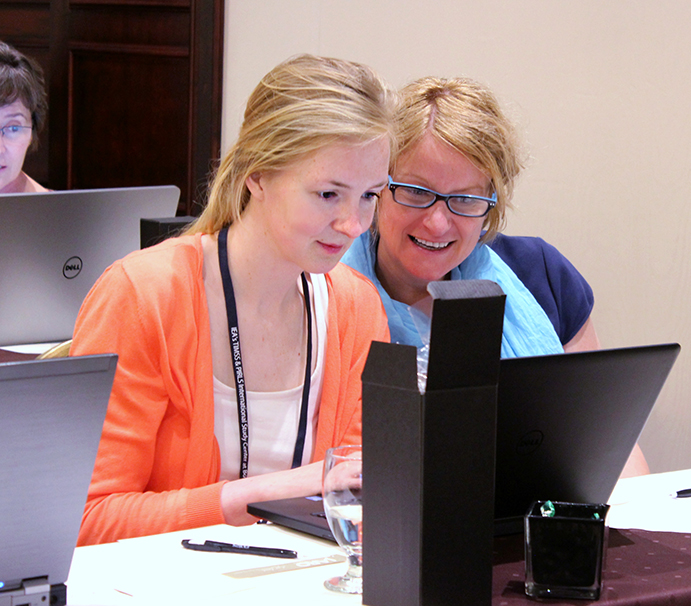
[33, 592]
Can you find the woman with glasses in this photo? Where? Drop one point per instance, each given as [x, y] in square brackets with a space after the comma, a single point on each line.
[241, 343]
[23, 108]
[451, 181]
[449, 187]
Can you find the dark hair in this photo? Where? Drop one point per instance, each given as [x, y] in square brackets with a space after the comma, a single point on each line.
[22, 78]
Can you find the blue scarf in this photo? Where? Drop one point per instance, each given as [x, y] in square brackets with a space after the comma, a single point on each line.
[527, 329]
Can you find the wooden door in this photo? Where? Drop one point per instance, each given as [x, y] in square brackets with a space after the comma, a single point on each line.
[134, 91]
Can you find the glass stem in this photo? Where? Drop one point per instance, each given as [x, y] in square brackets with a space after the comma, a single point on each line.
[354, 566]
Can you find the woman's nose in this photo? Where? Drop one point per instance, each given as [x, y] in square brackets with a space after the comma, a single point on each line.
[438, 218]
[354, 221]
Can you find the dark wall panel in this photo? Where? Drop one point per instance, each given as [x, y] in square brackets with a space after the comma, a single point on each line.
[127, 24]
[24, 22]
[115, 137]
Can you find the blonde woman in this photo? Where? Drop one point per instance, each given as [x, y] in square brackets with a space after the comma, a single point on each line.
[241, 343]
[451, 182]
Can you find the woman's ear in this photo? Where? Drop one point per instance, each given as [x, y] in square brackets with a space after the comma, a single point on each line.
[255, 185]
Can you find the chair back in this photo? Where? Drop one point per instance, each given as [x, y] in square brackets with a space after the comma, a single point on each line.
[61, 350]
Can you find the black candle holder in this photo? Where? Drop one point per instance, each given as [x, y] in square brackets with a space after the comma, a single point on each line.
[564, 549]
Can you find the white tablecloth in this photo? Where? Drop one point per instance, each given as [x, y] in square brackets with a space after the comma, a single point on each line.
[157, 570]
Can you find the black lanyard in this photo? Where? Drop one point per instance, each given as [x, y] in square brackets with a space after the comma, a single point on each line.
[236, 357]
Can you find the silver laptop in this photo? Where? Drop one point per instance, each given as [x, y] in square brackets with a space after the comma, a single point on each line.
[54, 246]
[51, 417]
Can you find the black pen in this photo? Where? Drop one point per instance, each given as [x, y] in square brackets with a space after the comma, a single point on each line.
[219, 547]
[681, 494]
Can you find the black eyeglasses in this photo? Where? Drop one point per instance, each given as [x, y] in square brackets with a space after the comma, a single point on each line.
[415, 196]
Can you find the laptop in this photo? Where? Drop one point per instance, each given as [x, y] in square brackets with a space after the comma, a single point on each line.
[51, 417]
[566, 424]
[54, 246]
[305, 514]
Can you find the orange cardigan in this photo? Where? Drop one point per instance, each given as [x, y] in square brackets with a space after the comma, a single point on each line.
[157, 468]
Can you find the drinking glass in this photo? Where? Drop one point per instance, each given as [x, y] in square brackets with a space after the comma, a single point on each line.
[342, 492]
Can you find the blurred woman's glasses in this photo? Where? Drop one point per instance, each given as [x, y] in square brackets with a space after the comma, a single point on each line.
[15, 132]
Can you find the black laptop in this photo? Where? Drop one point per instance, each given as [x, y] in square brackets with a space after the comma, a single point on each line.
[305, 514]
[51, 418]
[566, 424]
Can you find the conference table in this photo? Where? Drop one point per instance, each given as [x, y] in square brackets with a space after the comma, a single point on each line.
[648, 561]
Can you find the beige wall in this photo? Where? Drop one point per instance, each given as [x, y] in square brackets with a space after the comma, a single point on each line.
[602, 93]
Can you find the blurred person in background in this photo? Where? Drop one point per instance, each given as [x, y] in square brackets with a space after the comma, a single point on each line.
[23, 108]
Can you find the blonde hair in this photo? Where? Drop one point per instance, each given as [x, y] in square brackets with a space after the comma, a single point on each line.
[300, 106]
[465, 115]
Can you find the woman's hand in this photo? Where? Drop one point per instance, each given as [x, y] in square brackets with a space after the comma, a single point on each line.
[299, 482]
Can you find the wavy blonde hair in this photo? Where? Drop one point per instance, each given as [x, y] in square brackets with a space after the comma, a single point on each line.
[299, 107]
[465, 115]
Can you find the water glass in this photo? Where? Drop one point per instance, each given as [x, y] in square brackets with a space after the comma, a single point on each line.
[342, 492]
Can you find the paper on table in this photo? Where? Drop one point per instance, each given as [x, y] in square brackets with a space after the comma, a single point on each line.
[156, 569]
[644, 502]
[30, 348]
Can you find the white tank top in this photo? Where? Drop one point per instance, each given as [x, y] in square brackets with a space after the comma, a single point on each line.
[273, 416]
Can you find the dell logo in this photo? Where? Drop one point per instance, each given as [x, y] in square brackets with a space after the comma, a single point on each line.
[529, 442]
[72, 267]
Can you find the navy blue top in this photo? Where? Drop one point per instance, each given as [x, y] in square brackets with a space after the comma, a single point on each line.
[555, 283]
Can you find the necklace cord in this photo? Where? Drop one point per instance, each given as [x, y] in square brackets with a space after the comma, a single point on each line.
[236, 357]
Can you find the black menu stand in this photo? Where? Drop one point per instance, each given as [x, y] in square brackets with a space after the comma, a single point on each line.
[429, 458]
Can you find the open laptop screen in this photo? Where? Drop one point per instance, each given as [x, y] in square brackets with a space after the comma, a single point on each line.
[51, 418]
[55, 245]
[566, 423]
